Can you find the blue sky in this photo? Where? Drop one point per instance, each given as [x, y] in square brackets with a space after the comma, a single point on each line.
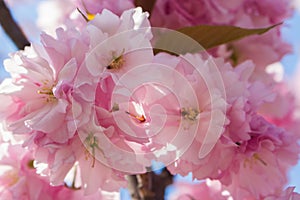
[291, 33]
[26, 14]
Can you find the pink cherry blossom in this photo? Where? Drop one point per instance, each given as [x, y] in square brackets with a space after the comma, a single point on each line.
[223, 162]
[175, 14]
[96, 6]
[288, 193]
[115, 49]
[247, 14]
[43, 104]
[19, 179]
[209, 190]
[59, 16]
[283, 110]
[68, 13]
[60, 159]
[260, 165]
[94, 104]
[151, 119]
[37, 106]
[214, 190]
[94, 172]
[236, 128]
[38, 94]
[263, 50]
[121, 44]
[253, 169]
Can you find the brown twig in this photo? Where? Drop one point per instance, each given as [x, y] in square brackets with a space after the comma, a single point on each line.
[11, 27]
[133, 187]
[145, 186]
[149, 186]
[160, 183]
[147, 5]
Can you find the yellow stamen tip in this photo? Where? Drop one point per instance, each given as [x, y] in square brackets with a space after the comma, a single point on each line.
[90, 16]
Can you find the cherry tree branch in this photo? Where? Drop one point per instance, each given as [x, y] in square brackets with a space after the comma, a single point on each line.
[133, 187]
[147, 5]
[11, 27]
[149, 186]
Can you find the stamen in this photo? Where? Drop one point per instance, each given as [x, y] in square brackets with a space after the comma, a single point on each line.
[89, 16]
[117, 61]
[252, 160]
[189, 113]
[81, 13]
[115, 107]
[91, 142]
[140, 118]
[46, 90]
[256, 156]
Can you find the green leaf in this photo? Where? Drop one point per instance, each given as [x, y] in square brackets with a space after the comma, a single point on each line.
[212, 36]
[147, 5]
[183, 40]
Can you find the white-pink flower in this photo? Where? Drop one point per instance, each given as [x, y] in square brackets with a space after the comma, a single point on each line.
[115, 48]
[260, 164]
[19, 180]
[32, 92]
[262, 50]
[55, 87]
[235, 153]
[208, 190]
[57, 160]
[236, 126]
[96, 6]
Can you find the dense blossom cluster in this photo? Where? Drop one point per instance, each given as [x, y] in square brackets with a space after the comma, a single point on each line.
[93, 104]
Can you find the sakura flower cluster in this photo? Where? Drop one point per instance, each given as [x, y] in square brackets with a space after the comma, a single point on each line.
[93, 104]
[43, 105]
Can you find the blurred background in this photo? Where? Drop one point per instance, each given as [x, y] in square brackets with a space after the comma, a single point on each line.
[32, 15]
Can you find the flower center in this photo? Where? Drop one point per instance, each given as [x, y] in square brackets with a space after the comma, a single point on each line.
[253, 160]
[257, 157]
[140, 119]
[117, 61]
[91, 143]
[190, 113]
[47, 91]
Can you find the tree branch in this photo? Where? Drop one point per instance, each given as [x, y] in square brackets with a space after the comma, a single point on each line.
[149, 186]
[133, 187]
[161, 182]
[11, 27]
[147, 5]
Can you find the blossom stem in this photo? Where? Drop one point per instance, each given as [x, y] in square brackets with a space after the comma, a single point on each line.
[11, 27]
